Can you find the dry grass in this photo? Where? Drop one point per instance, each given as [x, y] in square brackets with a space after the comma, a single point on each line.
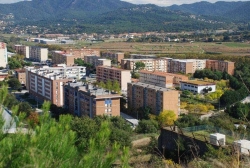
[141, 142]
[232, 48]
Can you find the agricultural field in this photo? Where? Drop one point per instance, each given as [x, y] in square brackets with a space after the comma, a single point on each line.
[229, 48]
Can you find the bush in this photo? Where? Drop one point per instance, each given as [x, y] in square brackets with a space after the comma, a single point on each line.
[147, 126]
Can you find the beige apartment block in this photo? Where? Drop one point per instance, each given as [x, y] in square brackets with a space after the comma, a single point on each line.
[97, 61]
[150, 64]
[113, 56]
[223, 66]
[3, 55]
[60, 57]
[46, 83]
[161, 79]
[82, 52]
[21, 76]
[105, 73]
[181, 66]
[87, 100]
[68, 57]
[157, 98]
[38, 53]
[23, 50]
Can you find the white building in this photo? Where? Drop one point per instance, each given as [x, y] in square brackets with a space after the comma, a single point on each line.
[3, 55]
[218, 139]
[243, 146]
[198, 87]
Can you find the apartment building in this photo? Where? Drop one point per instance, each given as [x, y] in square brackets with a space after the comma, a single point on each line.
[198, 87]
[141, 56]
[82, 52]
[38, 53]
[3, 55]
[60, 57]
[161, 79]
[21, 76]
[117, 57]
[96, 60]
[181, 66]
[87, 100]
[150, 64]
[157, 98]
[68, 56]
[198, 64]
[23, 50]
[3, 74]
[46, 83]
[105, 73]
[223, 66]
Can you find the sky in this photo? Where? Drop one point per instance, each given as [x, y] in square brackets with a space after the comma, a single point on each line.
[156, 2]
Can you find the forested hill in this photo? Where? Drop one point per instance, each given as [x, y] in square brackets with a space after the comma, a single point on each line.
[82, 9]
[119, 16]
[236, 11]
[51, 9]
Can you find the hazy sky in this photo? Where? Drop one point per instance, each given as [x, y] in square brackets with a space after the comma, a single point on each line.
[156, 2]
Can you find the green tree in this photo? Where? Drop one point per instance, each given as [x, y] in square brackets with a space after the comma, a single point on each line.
[85, 128]
[14, 83]
[147, 126]
[51, 143]
[102, 84]
[139, 65]
[25, 107]
[116, 86]
[167, 118]
[109, 85]
[10, 101]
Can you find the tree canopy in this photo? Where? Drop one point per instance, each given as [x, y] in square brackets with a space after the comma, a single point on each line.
[167, 117]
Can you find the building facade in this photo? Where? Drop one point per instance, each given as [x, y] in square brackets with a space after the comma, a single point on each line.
[60, 57]
[198, 87]
[150, 64]
[68, 56]
[105, 73]
[3, 55]
[223, 66]
[47, 83]
[141, 56]
[96, 60]
[161, 79]
[23, 50]
[87, 100]
[21, 76]
[38, 53]
[157, 98]
[181, 66]
[117, 57]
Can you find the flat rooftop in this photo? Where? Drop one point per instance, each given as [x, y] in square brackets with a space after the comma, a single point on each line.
[114, 68]
[144, 59]
[100, 93]
[198, 82]
[151, 86]
[159, 73]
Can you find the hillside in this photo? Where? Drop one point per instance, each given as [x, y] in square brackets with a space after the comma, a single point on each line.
[48, 9]
[118, 16]
[236, 11]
